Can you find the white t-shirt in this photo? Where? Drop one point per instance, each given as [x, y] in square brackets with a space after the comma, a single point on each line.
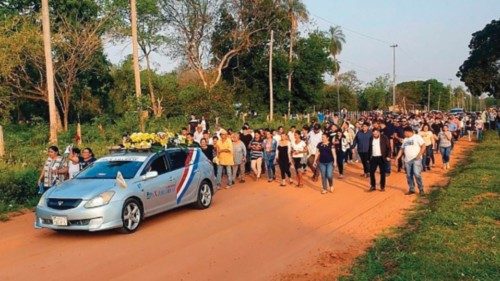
[314, 140]
[73, 169]
[376, 147]
[297, 149]
[411, 146]
[197, 136]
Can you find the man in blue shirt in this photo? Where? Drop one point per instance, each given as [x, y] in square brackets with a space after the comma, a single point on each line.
[362, 142]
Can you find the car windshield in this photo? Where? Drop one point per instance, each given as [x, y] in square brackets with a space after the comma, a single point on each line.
[109, 170]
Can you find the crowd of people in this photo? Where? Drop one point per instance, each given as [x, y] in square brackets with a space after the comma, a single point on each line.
[377, 140]
[330, 142]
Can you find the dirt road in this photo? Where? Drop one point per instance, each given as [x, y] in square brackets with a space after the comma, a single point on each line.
[255, 231]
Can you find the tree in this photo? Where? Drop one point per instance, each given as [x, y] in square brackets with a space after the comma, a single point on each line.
[49, 72]
[481, 71]
[150, 24]
[192, 22]
[297, 12]
[376, 94]
[351, 81]
[337, 38]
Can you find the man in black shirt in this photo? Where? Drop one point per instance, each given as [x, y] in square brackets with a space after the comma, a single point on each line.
[246, 138]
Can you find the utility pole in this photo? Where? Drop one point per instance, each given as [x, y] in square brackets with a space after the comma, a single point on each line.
[394, 74]
[338, 86]
[135, 58]
[451, 101]
[49, 72]
[271, 76]
[428, 97]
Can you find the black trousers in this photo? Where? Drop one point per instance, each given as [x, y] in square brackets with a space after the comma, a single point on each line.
[377, 162]
[365, 158]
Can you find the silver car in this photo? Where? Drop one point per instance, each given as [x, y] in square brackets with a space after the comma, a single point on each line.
[120, 190]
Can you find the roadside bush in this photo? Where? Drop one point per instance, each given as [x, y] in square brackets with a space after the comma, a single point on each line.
[18, 187]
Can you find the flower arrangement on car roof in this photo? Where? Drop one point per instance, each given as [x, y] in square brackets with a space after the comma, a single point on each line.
[147, 140]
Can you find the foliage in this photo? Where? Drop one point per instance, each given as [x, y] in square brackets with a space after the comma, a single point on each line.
[327, 99]
[481, 71]
[415, 93]
[376, 94]
[454, 237]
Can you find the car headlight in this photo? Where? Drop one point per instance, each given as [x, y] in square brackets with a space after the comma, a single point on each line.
[100, 200]
[43, 200]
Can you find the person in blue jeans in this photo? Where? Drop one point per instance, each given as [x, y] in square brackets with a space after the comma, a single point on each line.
[413, 148]
[270, 145]
[445, 142]
[325, 158]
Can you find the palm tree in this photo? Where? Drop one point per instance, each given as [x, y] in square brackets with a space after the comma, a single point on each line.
[297, 12]
[337, 38]
[50, 72]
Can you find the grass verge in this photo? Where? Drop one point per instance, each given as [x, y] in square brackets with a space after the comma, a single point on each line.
[453, 237]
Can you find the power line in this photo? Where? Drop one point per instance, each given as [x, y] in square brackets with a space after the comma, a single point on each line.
[353, 31]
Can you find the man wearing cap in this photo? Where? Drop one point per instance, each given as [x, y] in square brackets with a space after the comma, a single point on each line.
[225, 158]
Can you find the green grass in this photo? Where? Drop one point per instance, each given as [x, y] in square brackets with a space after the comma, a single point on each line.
[454, 236]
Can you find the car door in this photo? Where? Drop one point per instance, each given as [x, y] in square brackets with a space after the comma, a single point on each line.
[186, 174]
[157, 190]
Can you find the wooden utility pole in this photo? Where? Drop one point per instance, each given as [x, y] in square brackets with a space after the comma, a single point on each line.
[394, 74]
[428, 97]
[49, 72]
[135, 58]
[271, 106]
[2, 144]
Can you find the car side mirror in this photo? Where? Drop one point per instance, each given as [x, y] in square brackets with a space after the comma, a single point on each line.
[150, 175]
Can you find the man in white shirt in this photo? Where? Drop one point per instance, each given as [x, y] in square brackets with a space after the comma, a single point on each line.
[313, 139]
[198, 134]
[379, 152]
[413, 148]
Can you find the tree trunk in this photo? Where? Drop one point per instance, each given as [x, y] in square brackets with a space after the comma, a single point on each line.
[50, 72]
[2, 145]
[290, 56]
[135, 58]
[156, 112]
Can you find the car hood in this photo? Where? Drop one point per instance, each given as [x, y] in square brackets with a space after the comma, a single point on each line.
[85, 189]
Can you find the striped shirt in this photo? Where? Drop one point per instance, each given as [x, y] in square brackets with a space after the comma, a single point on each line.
[256, 149]
[50, 176]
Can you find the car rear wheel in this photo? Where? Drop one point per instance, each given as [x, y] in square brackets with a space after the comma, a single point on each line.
[205, 195]
[131, 216]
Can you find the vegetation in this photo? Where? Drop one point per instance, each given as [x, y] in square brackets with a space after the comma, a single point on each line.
[454, 236]
[481, 71]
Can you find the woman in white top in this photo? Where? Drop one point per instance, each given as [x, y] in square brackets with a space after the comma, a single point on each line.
[299, 150]
[429, 139]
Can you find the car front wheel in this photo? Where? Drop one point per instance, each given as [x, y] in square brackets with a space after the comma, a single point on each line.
[131, 216]
[204, 196]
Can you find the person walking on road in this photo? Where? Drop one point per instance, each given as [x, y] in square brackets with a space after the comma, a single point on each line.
[325, 158]
[362, 142]
[379, 152]
[445, 141]
[299, 150]
[270, 145]
[313, 139]
[239, 155]
[225, 158]
[284, 158]
[413, 148]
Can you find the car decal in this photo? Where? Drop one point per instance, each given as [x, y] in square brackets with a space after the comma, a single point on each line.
[188, 173]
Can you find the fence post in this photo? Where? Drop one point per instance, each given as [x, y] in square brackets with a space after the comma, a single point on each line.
[2, 145]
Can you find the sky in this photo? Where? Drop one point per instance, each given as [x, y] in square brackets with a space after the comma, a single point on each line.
[432, 36]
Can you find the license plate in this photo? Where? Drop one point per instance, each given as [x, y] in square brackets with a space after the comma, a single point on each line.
[60, 221]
